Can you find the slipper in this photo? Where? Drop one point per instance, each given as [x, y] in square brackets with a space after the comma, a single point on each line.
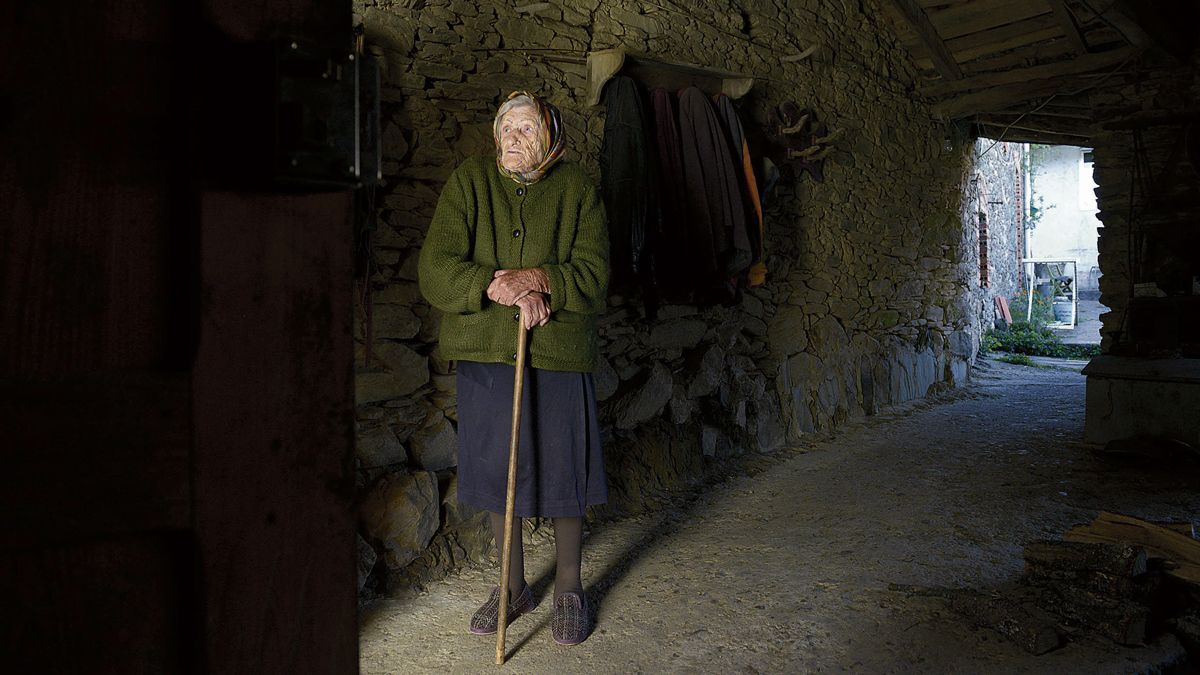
[487, 617]
[572, 621]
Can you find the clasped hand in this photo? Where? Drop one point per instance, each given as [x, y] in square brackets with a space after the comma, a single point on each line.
[524, 288]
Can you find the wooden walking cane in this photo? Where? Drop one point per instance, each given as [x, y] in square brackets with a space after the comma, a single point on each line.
[510, 498]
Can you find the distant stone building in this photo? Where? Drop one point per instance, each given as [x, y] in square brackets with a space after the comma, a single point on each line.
[994, 215]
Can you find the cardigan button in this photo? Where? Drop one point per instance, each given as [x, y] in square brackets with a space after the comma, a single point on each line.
[517, 316]
[520, 192]
[516, 234]
[513, 357]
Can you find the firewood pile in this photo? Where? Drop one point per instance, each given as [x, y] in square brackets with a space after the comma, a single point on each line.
[1121, 577]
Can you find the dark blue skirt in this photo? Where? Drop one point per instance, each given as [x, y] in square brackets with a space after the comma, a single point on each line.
[560, 466]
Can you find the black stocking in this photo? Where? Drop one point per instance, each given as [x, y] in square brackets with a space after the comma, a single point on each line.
[568, 545]
[516, 558]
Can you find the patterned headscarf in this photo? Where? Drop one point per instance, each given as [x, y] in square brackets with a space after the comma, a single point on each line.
[554, 140]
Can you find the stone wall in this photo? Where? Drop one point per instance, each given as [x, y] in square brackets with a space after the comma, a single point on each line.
[1147, 194]
[994, 206]
[869, 300]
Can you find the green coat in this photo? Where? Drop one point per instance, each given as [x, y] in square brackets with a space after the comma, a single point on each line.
[485, 222]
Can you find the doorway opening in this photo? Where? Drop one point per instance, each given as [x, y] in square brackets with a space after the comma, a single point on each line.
[1061, 233]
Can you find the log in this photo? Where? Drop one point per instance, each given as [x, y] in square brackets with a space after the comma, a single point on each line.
[1021, 622]
[1186, 627]
[1180, 553]
[1141, 589]
[1113, 559]
[1006, 616]
[1186, 529]
[1123, 621]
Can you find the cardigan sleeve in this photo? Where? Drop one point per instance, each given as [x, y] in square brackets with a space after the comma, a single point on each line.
[450, 280]
[580, 282]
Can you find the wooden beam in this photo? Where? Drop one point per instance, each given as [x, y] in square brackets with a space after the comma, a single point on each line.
[1015, 135]
[943, 62]
[1032, 34]
[1124, 23]
[1089, 63]
[998, 98]
[1032, 55]
[1025, 127]
[1003, 37]
[1070, 28]
[981, 15]
[1048, 111]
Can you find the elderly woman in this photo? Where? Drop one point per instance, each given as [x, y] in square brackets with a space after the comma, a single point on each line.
[524, 231]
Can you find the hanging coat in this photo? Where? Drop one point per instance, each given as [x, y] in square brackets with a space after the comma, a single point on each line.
[716, 216]
[673, 249]
[739, 149]
[627, 181]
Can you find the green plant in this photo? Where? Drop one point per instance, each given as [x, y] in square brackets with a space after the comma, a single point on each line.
[1034, 340]
[1043, 308]
[1019, 359]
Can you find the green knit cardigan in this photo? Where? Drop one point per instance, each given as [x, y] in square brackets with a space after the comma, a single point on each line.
[485, 222]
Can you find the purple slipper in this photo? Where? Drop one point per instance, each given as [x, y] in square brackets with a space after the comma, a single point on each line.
[572, 621]
[487, 617]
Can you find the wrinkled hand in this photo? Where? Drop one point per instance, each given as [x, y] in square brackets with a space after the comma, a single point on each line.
[508, 286]
[537, 310]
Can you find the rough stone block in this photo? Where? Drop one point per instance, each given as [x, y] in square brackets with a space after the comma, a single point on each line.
[399, 371]
[396, 322]
[401, 513]
[522, 32]
[710, 373]
[785, 333]
[438, 71]
[678, 334]
[828, 336]
[377, 447]
[402, 293]
[648, 400]
[367, 557]
[435, 447]
[605, 379]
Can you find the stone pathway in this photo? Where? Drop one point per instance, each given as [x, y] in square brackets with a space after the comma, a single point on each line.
[1087, 324]
[786, 566]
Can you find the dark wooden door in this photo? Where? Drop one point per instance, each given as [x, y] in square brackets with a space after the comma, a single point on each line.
[175, 362]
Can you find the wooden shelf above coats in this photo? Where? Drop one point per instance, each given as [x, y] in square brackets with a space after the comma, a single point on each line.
[603, 64]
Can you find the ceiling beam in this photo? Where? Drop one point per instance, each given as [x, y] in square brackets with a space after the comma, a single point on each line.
[1016, 135]
[1089, 63]
[1069, 26]
[1040, 124]
[1002, 97]
[943, 62]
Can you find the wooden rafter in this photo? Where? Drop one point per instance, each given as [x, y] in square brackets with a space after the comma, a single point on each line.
[998, 97]
[943, 61]
[1069, 26]
[1088, 63]
[1019, 135]
[980, 15]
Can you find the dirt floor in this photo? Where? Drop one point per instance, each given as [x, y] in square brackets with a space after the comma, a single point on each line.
[786, 567]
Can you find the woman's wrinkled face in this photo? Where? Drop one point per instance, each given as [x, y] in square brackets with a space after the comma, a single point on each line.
[521, 145]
